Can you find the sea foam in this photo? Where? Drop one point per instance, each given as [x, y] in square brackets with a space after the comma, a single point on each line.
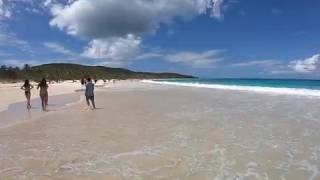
[256, 89]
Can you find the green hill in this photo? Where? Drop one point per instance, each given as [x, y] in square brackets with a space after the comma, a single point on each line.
[63, 71]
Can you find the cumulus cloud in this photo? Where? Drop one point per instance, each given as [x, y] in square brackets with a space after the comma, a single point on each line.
[197, 60]
[113, 49]
[115, 28]
[307, 65]
[118, 18]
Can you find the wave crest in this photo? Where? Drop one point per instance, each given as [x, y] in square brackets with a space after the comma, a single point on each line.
[256, 89]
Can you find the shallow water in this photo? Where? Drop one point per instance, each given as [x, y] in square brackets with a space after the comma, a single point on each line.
[272, 83]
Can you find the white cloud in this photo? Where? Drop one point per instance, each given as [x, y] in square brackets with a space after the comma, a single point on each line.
[47, 3]
[149, 55]
[4, 10]
[115, 27]
[8, 8]
[114, 49]
[59, 48]
[307, 65]
[304, 66]
[118, 18]
[271, 66]
[216, 9]
[263, 63]
[197, 60]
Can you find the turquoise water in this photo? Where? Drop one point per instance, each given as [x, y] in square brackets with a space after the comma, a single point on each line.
[274, 83]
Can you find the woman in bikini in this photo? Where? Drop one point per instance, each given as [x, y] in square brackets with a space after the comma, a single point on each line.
[43, 93]
[27, 91]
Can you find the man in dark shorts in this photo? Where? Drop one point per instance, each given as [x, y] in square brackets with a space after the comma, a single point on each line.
[89, 93]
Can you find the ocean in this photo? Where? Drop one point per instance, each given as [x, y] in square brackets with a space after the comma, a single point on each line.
[297, 87]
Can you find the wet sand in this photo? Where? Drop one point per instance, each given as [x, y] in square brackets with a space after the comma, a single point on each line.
[145, 131]
[18, 113]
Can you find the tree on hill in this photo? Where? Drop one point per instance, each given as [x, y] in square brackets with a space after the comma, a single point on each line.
[3, 68]
[26, 67]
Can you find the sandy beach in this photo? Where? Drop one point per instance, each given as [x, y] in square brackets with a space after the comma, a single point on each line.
[11, 92]
[149, 131]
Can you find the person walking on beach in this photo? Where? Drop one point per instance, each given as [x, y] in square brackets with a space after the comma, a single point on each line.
[27, 91]
[89, 93]
[43, 93]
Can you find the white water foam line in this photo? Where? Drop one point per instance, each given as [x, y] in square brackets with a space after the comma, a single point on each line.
[256, 89]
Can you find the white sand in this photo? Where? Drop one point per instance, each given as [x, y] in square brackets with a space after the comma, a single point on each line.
[11, 93]
[145, 131]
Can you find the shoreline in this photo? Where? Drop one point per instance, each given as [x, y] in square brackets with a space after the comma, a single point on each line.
[308, 93]
[74, 97]
[17, 112]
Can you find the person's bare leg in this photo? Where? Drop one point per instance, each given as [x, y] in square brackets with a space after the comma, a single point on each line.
[28, 101]
[93, 103]
[43, 104]
[88, 103]
[46, 102]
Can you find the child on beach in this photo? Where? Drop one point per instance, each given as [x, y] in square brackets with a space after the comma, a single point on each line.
[89, 93]
[27, 91]
[43, 93]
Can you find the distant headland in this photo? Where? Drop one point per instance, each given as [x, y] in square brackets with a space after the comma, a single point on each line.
[65, 71]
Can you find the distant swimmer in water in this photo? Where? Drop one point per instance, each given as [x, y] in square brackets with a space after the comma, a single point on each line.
[27, 91]
[43, 93]
[89, 93]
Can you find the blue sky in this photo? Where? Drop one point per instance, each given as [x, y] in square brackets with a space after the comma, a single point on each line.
[206, 38]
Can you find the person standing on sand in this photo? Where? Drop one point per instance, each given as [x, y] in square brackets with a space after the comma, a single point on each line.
[89, 93]
[43, 93]
[27, 91]
[82, 82]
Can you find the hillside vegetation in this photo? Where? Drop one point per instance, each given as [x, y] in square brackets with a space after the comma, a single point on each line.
[59, 72]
